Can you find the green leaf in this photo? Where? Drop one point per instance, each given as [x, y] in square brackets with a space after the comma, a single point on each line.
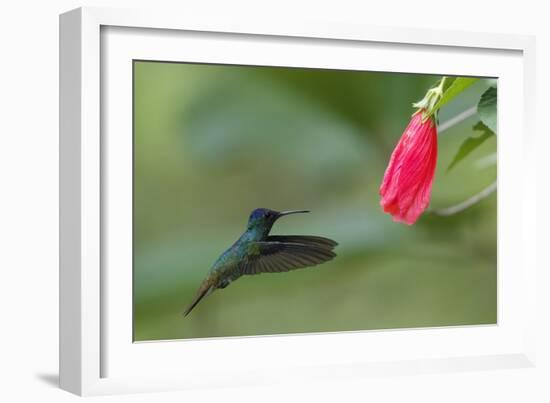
[471, 143]
[448, 82]
[487, 108]
[456, 86]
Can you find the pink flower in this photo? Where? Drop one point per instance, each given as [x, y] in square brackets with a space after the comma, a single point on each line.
[407, 185]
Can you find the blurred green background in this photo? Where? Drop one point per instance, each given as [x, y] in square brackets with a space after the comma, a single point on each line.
[214, 142]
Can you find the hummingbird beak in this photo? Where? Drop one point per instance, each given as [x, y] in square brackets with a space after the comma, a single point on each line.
[282, 213]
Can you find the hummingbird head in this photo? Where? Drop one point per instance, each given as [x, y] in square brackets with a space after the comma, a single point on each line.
[263, 217]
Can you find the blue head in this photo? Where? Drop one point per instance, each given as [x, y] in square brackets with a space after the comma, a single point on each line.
[264, 218]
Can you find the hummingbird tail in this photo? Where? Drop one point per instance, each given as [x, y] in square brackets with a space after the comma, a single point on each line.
[203, 292]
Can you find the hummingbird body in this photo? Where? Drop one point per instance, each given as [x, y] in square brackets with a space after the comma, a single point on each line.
[257, 252]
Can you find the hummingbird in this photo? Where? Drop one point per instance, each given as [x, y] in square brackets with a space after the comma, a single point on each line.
[258, 252]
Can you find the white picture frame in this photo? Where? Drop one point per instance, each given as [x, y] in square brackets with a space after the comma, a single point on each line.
[96, 355]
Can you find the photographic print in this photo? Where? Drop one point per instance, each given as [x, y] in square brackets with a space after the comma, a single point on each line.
[277, 200]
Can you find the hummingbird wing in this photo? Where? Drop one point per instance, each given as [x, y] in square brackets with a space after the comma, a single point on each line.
[283, 253]
[304, 239]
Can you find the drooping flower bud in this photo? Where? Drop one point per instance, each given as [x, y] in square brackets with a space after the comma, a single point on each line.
[407, 185]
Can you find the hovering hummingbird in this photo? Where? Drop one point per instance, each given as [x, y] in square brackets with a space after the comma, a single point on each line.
[258, 252]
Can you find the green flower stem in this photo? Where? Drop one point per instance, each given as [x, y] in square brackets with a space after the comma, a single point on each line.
[442, 84]
[430, 100]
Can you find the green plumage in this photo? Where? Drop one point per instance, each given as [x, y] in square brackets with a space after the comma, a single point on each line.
[257, 252]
